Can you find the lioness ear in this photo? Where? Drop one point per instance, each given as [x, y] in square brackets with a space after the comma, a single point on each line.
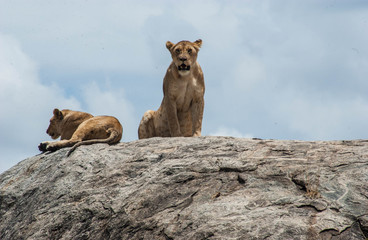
[169, 45]
[58, 114]
[198, 43]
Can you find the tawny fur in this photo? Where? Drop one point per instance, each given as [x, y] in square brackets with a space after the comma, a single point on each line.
[80, 128]
[181, 110]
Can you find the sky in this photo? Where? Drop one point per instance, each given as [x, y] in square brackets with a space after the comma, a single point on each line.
[285, 69]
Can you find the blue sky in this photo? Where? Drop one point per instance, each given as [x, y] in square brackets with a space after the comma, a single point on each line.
[282, 69]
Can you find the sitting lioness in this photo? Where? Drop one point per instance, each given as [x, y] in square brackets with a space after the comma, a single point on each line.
[181, 110]
[80, 128]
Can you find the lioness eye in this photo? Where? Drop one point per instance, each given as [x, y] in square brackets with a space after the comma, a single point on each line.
[189, 50]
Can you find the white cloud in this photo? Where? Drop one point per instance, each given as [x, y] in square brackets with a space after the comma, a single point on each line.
[284, 70]
[89, 36]
[326, 118]
[26, 104]
[112, 102]
[294, 73]
[231, 132]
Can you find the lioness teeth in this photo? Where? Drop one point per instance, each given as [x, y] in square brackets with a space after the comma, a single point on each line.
[183, 67]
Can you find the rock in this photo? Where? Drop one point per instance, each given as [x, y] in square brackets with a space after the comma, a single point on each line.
[190, 188]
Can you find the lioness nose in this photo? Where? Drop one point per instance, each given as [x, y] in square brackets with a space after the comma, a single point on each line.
[183, 59]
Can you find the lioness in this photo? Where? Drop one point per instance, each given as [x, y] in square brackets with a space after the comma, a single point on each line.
[181, 110]
[80, 128]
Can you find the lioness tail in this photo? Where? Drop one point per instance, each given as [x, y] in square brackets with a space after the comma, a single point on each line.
[114, 137]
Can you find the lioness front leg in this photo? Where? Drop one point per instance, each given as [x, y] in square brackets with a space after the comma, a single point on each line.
[172, 118]
[197, 116]
[53, 146]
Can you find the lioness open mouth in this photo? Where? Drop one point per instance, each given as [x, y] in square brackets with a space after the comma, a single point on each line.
[183, 67]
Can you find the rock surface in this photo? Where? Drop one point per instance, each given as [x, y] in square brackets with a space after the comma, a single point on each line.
[190, 188]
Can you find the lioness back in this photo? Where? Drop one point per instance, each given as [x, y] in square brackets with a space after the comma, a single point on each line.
[96, 128]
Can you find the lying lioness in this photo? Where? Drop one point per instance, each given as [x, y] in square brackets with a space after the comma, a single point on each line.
[80, 128]
[181, 110]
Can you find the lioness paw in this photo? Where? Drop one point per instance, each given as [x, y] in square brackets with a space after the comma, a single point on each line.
[197, 134]
[42, 146]
[51, 148]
